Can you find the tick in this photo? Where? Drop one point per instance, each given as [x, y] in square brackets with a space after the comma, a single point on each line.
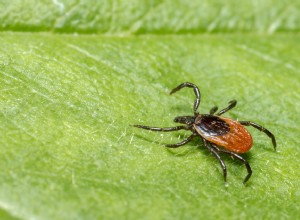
[219, 134]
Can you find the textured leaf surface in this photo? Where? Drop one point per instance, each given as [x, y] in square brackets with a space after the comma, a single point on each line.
[155, 16]
[67, 150]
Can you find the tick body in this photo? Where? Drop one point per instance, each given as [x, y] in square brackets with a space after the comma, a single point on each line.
[219, 134]
[223, 132]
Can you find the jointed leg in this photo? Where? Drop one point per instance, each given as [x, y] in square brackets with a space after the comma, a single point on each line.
[182, 142]
[196, 91]
[161, 129]
[231, 105]
[261, 128]
[213, 110]
[240, 158]
[215, 153]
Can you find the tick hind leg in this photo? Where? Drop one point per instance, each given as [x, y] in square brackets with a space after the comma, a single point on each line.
[213, 150]
[261, 128]
[196, 91]
[240, 158]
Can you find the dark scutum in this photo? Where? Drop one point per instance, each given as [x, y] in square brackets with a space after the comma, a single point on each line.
[212, 125]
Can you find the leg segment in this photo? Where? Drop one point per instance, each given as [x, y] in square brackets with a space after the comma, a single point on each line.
[261, 128]
[215, 153]
[231, 105]
[213, 110]
[161, 129]
[182, 142]
[240, 158]
[196, 91]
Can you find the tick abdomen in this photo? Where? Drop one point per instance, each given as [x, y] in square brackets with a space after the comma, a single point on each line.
[224, 132]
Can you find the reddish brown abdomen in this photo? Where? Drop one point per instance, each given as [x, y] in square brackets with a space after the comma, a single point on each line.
[224, 132]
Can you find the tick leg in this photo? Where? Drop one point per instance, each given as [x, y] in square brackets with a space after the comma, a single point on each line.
[231, 105]
[261, 128]
[196, 91]
[213, 110]
[182, 142]
[240, 158]
[215, 153]
[161, 129]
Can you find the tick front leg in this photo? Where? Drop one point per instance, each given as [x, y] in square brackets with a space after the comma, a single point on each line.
[213, 110]
[231, 105]
[182, 142]
[261, 128]
[196, 91]
[161, 129]
[240, 158]
[215, 153]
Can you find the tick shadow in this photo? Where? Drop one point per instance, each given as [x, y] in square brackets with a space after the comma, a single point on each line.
[189, 148]
[230, 162]
[147, 139]
[195, 146]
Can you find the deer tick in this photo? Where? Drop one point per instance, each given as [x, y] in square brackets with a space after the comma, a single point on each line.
[219, 134]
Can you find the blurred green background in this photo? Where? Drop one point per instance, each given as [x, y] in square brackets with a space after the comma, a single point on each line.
[75, 74]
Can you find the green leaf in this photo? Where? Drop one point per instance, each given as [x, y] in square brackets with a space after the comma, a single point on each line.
[150, 17]
[67, 150]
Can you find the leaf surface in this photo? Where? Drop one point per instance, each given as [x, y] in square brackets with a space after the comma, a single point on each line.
[67, 150]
